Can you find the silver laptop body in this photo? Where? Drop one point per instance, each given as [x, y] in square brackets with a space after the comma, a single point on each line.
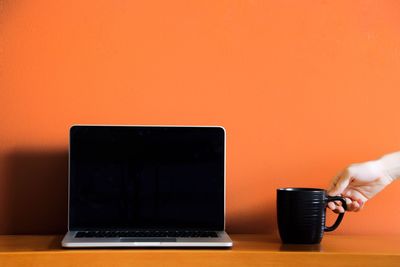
[146, 186]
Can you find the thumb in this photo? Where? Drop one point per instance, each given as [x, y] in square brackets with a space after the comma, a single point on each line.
[340, 184]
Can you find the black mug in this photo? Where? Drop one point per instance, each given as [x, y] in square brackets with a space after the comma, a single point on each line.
[301, 214]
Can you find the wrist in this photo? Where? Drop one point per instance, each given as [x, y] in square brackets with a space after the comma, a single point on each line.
[390, 164]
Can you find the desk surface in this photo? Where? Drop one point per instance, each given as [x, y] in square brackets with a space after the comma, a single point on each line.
[248, 250]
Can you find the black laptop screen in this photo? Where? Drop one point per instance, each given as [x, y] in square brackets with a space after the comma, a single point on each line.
[136, 177]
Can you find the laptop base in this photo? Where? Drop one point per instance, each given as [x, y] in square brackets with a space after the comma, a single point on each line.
[222, 241]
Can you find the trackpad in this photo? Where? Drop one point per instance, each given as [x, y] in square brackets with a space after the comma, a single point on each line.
[151, 239]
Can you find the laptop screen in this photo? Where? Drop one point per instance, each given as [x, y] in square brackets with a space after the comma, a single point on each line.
[146, 177]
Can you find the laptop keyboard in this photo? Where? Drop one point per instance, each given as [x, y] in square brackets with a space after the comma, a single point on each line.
[91, 234]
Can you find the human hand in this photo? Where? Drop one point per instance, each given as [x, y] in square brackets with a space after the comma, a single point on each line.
[359, 182]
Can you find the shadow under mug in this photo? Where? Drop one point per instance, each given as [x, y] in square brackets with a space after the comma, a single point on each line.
[301, 214]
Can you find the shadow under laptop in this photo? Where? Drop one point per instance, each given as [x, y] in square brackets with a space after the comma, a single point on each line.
[36, 192]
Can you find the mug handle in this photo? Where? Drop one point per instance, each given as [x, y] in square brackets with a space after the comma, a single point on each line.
[340, 217]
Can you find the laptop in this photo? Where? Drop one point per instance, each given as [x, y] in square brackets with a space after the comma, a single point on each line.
[146, 186]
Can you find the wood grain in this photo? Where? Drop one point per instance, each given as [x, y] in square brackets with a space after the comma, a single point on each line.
[248, 250]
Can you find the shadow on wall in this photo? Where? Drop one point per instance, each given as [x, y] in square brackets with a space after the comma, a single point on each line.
[260, 219]
[37, 192]
[36, 200]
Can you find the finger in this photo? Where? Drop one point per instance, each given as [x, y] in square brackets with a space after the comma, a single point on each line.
[351, 207]
[334, 182]
[336, 210]
[348, 204]
[360, 208]
[347, 193]
[356, 206]
[360, 203]
[341, 184]
[332, 205]
[335, 207]
[340, 209]
[355, 196]
[349, 201]
[338, 203]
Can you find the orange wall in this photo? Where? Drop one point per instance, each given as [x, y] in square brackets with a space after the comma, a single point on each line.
[303, 88]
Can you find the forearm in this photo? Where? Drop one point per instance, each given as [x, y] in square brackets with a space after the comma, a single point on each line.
[391, 164]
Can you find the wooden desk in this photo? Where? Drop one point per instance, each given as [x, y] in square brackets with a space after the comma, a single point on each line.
[248, 250]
